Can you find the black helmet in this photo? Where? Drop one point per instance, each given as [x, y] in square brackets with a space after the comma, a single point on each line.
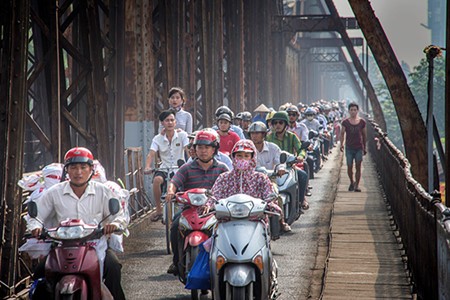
[224, 110]
[246, 116]
[224, 117]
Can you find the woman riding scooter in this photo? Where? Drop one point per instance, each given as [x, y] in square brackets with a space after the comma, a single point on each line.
[243, 179]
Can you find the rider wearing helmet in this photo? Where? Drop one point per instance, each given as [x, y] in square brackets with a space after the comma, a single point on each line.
[269, 119]
[310, 121]
[202, 172]
[288, 141]
[221, 157]
[227, 138]
[268, 153]
[246, 120]
[79, 197]
[298, 128]
[243, 179]
[225, 110]
[238, 119]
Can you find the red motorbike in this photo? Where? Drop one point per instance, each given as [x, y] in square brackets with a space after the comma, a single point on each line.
[72, 269]
[194, 230]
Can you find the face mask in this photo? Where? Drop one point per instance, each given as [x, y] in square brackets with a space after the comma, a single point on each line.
[310, 118]
[242, 165]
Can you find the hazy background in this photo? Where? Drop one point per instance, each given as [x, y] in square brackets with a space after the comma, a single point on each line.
[401, 21]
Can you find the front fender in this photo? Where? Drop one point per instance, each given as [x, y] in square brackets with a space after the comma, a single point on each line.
[239, 274]
[195, 238]
[70, 284]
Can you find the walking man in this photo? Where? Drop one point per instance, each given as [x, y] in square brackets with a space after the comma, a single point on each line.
[355, 133]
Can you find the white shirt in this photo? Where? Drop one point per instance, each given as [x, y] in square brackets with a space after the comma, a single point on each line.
[60, 203]
[269, 157]
[170, 151]
[300, 130]
[312, 125]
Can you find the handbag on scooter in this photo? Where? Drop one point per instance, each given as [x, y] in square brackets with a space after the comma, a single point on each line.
[198, 277]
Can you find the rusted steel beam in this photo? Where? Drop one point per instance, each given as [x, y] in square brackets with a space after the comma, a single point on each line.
[376, 107]
[38, 132]
[234, 47]
[117, 87]
[14, 72]
[212, 58]
[100, 127]
[411, 123]
[447, 109]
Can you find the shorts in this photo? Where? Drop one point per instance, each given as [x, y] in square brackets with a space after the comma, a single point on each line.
[353, 154]
[164, 177]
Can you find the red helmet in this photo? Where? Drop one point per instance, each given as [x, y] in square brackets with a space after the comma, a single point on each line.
[243, 146]
[78, 155]
[207, 137]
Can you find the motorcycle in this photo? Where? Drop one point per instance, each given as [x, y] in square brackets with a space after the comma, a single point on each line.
[241, 262]
[194, 228]
[72, 268]
[316, 152]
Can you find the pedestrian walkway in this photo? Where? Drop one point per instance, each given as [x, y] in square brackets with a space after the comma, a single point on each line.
[364, 260]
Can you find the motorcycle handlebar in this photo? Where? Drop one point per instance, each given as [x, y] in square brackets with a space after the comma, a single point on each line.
[272, 213]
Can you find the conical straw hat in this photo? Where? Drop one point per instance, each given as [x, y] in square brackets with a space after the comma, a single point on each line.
[262, 108]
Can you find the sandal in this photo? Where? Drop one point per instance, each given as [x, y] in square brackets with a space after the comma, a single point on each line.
[305, 205]
[285, 227]
[156, 217]
[351, 187]
[357, 189]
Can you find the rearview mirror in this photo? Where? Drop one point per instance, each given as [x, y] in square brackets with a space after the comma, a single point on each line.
[283, 157]
[114, 206]
[180, 162]
[305, 145]
[32, 209]
[312, 134]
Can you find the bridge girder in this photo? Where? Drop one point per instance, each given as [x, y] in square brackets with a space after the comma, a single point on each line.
[411, 123]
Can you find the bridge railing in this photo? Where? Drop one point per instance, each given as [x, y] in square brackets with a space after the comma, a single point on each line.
[422, 220]
[139, 203]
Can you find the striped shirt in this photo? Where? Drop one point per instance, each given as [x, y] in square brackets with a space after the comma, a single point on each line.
[192, 175]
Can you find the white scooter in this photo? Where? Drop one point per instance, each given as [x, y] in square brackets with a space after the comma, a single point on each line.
[241, 262]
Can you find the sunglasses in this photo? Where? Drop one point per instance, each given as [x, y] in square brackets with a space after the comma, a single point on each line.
[309, 115]
[277, 122]
[292, 114]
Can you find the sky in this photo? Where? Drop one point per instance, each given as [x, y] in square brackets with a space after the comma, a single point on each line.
[401, 21]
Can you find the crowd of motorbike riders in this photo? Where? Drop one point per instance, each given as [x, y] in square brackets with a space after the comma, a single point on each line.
[267, 154]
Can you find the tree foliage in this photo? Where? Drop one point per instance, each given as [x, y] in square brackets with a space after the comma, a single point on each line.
[419, 88]
[418, 83]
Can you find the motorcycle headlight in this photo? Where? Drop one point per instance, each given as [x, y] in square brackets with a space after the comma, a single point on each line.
[197, 199]
[240, 210]
[71, 232]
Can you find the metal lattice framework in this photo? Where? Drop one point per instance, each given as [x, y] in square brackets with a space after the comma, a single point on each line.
[74, 72]
[69, 79]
